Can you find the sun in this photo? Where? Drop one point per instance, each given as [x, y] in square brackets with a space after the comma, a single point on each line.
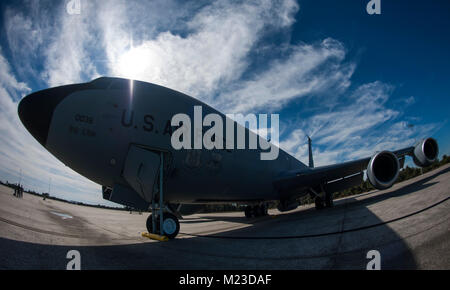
[133, 62]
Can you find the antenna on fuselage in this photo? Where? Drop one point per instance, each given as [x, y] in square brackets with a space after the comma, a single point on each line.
[311, 161]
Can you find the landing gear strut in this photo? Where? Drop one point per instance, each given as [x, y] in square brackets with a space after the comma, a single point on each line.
[161, 221]
[329, 199]
[319, 203]
[325, 199]
[256, 210]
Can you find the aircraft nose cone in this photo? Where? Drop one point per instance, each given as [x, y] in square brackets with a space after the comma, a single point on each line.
[36, 110]
[35, 113]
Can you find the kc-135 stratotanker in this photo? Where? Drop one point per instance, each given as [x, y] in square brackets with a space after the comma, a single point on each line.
[117, 133]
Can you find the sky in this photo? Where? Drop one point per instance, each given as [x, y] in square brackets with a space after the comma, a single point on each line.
[356, 83]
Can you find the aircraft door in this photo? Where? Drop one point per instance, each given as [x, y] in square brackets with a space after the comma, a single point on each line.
[141, 170]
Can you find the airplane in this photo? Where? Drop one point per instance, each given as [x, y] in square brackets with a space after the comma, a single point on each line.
[117, 133]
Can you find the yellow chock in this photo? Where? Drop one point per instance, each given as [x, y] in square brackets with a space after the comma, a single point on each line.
[155, 237]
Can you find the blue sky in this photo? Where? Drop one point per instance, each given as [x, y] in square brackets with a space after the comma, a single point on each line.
[356, 83]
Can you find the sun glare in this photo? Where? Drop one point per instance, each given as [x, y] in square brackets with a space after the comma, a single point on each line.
[133, 62]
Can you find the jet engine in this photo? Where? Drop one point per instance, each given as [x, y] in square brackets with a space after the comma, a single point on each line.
[425, 152]
[383, 169]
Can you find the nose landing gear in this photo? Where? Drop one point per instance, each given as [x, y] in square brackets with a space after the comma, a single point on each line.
[170, 224]
[162, 221]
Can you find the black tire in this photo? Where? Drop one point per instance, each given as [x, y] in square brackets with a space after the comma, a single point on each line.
[257, 210]
[265, 210]
[150, 226]
[329, 200]
[319, 203]
[171, 225]
[248, 211]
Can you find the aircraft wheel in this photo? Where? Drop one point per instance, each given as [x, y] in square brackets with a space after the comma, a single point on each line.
[265, 210]
[329, 200]
[258, 210]
[171, 225]
[319, 203]
[248, 211]
[150, 226]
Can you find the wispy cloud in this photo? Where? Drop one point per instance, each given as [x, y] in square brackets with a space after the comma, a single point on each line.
[9, 81]
[306, 70]
[21, 152]
[211, 52]
[50, 45]
[359, 126]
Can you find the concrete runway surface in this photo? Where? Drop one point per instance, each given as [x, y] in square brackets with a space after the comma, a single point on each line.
[409, 225]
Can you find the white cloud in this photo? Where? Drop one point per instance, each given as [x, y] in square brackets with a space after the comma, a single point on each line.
[213, 52]
[68, 54]
[7, 80]
[409, 101]
[197, 48]
[307, 70]
[355, 130]
[51, 45]
[20, 151]
[25, 33]
[209, 60]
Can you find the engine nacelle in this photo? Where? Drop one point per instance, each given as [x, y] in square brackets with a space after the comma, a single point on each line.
[425, 152]
[383, 169]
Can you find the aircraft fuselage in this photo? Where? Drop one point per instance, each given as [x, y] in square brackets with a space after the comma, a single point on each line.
[92, 128]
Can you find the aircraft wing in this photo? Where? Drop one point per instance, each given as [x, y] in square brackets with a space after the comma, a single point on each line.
[382, 171]
[294, 181]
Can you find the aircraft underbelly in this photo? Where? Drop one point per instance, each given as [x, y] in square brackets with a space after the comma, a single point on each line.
[231, 180]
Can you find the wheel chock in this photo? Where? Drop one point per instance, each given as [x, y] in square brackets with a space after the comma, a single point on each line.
[155, 237]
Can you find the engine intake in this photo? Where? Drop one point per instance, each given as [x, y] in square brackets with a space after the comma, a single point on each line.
[425, 152]
[383, 169]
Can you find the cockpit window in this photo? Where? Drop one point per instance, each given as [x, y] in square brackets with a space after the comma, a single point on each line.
[100, 83]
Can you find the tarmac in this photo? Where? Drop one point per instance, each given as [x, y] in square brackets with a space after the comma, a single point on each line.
[408, 224]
